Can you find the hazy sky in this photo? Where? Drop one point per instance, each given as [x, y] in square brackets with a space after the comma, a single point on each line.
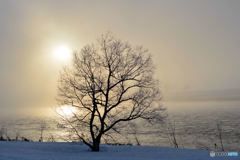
[195, 44]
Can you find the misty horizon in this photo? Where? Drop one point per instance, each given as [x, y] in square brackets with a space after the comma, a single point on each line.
[193, 44]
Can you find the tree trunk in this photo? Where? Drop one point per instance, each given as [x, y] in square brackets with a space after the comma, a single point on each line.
[95, 147]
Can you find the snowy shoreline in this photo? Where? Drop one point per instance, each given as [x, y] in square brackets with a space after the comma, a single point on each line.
[76, 151]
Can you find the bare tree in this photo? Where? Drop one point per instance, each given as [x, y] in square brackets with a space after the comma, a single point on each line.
[42, 128]
[3, 131]
[171, 133]
[219, 132]
[51, 138]
[132, 129]
[135, 135]
[109, 83]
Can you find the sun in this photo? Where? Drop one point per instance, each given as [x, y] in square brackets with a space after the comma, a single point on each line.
[63, 53]
[66, 111]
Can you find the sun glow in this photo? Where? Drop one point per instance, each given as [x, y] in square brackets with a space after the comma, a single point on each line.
[66, 111]
[63, 53]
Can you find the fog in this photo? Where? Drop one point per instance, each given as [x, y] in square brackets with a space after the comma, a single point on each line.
[195, 45]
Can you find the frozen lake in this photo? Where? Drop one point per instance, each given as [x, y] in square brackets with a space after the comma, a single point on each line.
[195, 126]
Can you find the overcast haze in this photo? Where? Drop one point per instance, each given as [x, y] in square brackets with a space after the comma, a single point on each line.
[195, 44]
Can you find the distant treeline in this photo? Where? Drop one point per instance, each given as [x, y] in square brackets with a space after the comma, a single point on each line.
[15, 139]
[4, 136]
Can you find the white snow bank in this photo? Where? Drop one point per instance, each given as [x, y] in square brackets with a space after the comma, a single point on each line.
[76, 151]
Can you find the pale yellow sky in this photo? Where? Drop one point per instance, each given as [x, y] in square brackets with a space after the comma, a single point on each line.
[195, 44]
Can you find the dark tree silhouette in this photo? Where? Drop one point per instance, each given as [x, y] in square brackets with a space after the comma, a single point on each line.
[109, 83]
[43, 126]
[219, 132]
[171, 132]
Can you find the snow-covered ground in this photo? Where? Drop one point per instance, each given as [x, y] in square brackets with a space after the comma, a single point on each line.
[74, 151]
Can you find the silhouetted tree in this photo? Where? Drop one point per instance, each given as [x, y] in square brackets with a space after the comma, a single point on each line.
[219, 134]
[51, 138]
[17, 136]
[42, 128]
[3, 131]
[109, 83]
[171, 133]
